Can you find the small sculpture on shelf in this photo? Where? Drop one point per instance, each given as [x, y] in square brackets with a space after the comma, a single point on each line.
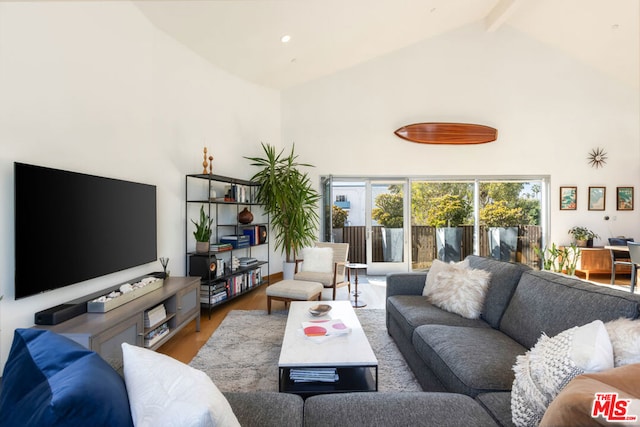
[204, 161]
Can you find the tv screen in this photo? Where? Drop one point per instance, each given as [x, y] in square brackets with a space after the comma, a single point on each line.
[71, 227]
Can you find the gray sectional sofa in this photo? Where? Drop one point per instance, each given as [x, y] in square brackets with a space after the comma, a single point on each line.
[463, 365]
[449, 353]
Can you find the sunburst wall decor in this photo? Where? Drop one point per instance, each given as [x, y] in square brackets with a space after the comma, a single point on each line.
[597, 158]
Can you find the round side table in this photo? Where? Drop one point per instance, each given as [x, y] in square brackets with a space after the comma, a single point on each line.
[355, 267]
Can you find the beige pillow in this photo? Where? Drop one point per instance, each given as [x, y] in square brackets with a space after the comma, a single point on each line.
[574, 405]
[459, 290]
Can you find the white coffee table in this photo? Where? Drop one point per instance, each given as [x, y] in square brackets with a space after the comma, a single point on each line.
[350, 354]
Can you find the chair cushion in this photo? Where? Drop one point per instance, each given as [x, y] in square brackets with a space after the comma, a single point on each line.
[294, 289]
[317, 260]
[52, 380]
[311, 276]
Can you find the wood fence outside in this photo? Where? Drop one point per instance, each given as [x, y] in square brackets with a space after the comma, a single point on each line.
[423, 244]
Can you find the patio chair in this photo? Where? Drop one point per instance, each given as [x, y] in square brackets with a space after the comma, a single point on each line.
[324, 263]
[634, 254]
[619, 257]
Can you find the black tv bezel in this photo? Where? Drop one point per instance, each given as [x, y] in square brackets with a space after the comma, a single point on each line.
[23, 257]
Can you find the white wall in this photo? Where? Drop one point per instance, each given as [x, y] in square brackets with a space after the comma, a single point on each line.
[93, 87]
[549, 109]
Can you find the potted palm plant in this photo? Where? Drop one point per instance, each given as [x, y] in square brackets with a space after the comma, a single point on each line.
[289, 199]
[202, 232]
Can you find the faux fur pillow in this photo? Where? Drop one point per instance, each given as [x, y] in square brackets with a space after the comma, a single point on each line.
[438, 267]
[625, 340]
[459, 290]
[542, 372]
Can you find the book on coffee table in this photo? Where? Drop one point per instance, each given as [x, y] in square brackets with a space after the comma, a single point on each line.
[325, 327]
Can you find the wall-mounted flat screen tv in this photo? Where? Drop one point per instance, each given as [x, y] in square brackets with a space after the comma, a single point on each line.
[71, 227]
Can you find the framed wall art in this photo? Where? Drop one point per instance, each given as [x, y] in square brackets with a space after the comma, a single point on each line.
[568, 198]
[597, 198]
[624, 198]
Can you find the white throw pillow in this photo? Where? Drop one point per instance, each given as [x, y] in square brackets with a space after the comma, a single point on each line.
[437, 267]
[318, 260]
[460, 290]
[625, 340]
[542, 372]
[165, 392]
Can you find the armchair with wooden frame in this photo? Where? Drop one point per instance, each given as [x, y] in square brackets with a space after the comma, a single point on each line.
[331, 274]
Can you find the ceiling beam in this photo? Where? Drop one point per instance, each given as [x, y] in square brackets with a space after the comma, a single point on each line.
[500, 13]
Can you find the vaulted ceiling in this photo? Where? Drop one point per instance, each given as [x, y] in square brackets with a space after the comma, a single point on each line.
[244, 36]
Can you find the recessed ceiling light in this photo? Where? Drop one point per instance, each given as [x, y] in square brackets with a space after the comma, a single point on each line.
[285, 38]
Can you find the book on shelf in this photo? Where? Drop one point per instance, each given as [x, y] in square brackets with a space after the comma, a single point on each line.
[237, 241]
[221, 247]
[151, 338]
[247, 261]
[154, 316]
[253, 232]
[300, 375]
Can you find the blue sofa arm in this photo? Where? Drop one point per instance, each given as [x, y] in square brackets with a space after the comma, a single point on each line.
[405, 283]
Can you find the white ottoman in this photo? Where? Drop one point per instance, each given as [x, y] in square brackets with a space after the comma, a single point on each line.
[293, 290]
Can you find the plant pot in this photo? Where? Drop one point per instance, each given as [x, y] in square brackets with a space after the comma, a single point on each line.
[245, 217]
[449, 243]
[392, 244]
[584, 243]
[288, 270]
[202, 247]
[503, 243]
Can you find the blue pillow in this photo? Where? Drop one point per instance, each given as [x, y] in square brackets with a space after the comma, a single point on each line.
[50, 380]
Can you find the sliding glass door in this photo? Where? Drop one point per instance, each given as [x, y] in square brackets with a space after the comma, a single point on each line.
[403, 224]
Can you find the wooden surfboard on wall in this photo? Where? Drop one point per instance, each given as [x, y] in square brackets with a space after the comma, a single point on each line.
[447, 133]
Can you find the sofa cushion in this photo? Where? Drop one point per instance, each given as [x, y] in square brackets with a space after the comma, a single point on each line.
[394, 409]
[266, 408]
[543, 371]
[574, 405]
[164, 391]
[551, 303]
[51, 380]
[625, 340]
[498, 405]
[468, 360]
[411, 311]
[504, 279]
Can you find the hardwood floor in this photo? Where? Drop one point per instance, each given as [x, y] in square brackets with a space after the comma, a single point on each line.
[186, 343]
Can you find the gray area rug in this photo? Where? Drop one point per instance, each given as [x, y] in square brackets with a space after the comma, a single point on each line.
[243, 353]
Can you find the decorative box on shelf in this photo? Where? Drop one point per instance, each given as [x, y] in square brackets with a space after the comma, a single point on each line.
[128, 292]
